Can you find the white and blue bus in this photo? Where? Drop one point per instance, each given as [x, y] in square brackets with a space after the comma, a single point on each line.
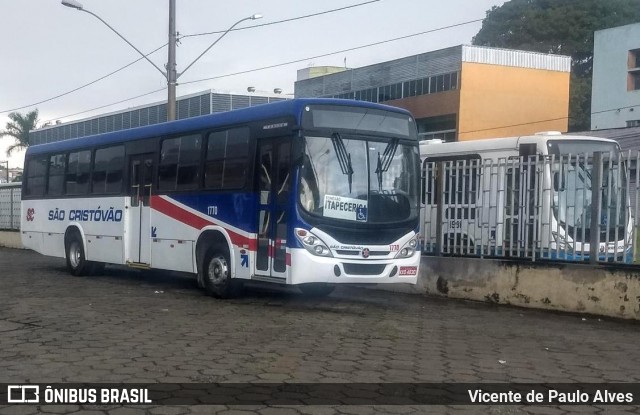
[310, 192]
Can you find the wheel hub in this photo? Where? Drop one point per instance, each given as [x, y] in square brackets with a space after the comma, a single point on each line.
[75, 254]
[218, 270]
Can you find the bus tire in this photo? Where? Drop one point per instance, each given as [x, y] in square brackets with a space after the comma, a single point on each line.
[217, 275]
[77, 263]
[316, 289]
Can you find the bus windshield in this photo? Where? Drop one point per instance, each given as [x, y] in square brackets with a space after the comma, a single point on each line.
[573, 173]
[359, 180]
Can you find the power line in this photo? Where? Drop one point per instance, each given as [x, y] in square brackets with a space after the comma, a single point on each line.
[185, 36]
[514, 125]
[292, 62]
[83, 86]
[282, 21]
[615, 109]
[108, 105]
[333, 53]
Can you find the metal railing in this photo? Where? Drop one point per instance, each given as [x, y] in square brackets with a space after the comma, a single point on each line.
[10, 196]
[567, 208]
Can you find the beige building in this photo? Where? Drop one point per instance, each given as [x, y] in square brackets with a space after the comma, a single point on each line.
[459, 93]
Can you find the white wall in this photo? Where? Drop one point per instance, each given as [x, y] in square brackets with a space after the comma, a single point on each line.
[610, 69]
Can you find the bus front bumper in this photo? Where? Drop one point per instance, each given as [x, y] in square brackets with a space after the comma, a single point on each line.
[308, 268]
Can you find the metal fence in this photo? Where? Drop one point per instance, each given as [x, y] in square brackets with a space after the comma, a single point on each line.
[567, 208]
[10, 196]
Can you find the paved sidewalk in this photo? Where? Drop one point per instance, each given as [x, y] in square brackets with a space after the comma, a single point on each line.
[132, 326]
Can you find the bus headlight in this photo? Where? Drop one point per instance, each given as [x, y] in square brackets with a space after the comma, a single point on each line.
[312, 243]
[409, 248]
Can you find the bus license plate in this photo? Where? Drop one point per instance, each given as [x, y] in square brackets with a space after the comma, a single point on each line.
[408, 270]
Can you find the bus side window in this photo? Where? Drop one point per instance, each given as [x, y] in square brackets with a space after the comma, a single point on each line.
[55, 177]
[227, 160]
[35, 176]
[179, 163]
[78, 172]
[108, 164]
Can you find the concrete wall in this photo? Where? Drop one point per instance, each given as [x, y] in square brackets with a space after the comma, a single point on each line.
[10, 239]
[562, 287]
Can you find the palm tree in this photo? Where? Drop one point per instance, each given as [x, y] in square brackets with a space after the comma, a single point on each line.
[19, 128]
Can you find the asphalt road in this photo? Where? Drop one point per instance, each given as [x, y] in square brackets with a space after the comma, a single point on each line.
[134, 326]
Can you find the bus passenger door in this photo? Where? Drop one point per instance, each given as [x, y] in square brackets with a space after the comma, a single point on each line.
[139, 230]
[274, 184]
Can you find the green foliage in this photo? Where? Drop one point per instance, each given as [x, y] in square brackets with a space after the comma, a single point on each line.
[560, 27]
[19, 128]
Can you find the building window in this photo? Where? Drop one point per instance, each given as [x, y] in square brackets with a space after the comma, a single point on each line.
[416, 87]
[633, 123]
[633, 65]
[634, 59]
[633, 82]
[440, 128]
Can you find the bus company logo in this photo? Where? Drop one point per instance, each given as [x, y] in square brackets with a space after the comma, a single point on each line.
[30, 214]
[365, 253]
[23, 394]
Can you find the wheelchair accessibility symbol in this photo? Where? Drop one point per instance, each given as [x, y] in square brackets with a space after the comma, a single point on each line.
[361, 214]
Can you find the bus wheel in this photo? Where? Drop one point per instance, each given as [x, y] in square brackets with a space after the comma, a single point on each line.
[317, 289]
[217, 274]
[76, 261]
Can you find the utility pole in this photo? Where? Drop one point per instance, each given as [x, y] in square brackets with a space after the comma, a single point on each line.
[172, 74]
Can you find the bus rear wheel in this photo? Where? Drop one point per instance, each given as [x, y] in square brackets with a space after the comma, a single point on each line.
[77, 263]
[316, 289]
[218, 281]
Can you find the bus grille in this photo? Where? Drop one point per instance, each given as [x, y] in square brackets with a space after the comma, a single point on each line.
[363, 269]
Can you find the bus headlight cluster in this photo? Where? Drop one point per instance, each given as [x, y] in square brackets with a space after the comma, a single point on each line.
[312, 243]
[409, 248]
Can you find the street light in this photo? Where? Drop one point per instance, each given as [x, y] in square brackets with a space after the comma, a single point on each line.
[171, 75]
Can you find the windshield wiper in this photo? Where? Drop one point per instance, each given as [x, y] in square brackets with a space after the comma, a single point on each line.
[384, 161]
[344, 158]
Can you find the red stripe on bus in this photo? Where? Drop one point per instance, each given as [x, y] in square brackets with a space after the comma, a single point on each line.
[197, 222]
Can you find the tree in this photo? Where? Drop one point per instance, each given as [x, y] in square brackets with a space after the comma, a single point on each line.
[19, 128]
[560, 27]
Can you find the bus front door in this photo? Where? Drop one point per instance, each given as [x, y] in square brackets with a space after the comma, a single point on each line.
[274, 183]
[139, 229]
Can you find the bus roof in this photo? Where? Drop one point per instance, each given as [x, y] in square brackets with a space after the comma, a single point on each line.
[496, 144]
[292, 107]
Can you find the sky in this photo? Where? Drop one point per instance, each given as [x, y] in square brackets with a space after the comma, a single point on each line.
[49, 49]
